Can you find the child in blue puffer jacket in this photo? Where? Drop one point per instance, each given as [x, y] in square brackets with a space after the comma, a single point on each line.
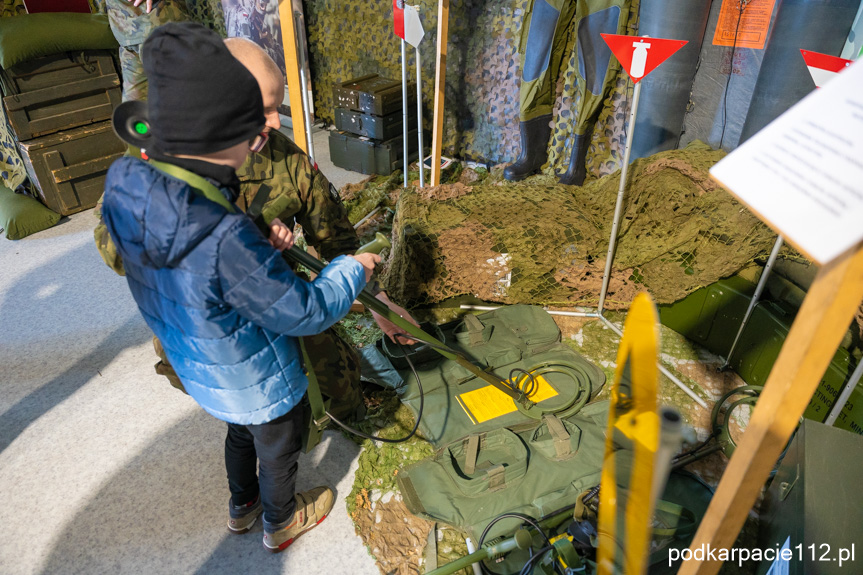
[216, 292]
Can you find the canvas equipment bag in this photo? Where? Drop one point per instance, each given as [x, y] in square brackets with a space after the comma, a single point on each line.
[514, 337]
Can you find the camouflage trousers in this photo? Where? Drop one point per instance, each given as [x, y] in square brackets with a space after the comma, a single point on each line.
[335, 363]
[545, 49]
[134, 79]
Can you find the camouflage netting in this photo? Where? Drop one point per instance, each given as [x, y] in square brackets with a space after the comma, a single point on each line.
[209, 13]
[351, 39]
[13, 8]
[541, 243]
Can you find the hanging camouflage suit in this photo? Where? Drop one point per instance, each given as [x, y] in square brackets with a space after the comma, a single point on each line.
[301, 193]
[131, 25]
[543, 50]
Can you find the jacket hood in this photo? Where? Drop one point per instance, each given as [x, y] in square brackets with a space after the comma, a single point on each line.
[155, 218]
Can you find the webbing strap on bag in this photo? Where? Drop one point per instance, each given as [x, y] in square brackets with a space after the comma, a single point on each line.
[496, 477]
[678, 520]
[560, 434]
[470, 454]
[474, 329]
[319, 417]
[316, 401]
[212, 193]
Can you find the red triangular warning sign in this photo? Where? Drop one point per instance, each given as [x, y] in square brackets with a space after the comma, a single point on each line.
[823, 67]
[399, 18]
[640, 55]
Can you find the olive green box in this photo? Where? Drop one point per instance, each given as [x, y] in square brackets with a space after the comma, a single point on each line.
[368, 156]
[60, 92]
[370, 126]
[68, 168]
[372, 94]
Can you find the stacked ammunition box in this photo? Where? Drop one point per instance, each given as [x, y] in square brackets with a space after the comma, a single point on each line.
[59, 108]
[368, 134]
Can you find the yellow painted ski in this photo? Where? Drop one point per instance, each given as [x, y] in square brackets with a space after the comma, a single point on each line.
[633, 428]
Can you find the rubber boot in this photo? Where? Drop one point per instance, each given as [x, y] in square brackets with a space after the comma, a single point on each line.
[577, 171]
[534, 149]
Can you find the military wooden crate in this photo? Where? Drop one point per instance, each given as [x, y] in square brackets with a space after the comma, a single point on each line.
[68, 169]
[377, 127]
[60, 92]
[367, 156]
[372, 94]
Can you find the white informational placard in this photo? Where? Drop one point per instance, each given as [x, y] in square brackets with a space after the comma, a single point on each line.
[803, 173]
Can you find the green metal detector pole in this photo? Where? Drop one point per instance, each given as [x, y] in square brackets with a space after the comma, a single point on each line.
[521, 540]
[371, 302]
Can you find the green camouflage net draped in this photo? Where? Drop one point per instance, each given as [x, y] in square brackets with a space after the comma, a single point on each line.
[541, 243]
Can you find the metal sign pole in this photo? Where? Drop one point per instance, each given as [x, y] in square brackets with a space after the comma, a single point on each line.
[419, 115]
[846, 393]
[300, 27]
[405, 112]
[618, 207]
[762, 281]
[309, 141]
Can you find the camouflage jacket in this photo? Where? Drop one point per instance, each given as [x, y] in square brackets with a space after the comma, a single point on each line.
[131, 25]
[300, 194]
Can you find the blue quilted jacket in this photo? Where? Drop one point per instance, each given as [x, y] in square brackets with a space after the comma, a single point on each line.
[223, 302]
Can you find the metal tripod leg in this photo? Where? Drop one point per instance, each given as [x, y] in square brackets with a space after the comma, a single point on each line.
[846, 393]
[762, 281]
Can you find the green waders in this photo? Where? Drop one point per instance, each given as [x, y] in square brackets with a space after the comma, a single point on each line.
[543, 45]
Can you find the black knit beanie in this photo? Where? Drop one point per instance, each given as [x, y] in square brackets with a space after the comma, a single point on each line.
[201, 99]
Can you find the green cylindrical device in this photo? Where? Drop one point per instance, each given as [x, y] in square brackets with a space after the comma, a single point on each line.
[521, 540]
[375, 246]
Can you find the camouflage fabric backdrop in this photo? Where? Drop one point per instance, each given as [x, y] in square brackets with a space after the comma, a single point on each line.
[13, 8]
[350, 39]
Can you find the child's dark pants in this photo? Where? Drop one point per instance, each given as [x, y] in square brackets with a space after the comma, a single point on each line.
[277, 445]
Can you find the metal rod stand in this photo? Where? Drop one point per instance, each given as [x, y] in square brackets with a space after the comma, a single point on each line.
[419, 115]
[405, 112]
[662, 368]
[762, 281]
[846, 393]
[618, 206]
[303, 57]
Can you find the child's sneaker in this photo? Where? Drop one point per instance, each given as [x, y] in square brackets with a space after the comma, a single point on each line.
[313, 506]
[241, 518]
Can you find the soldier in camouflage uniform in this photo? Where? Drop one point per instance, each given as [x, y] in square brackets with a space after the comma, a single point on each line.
[131, 23]
[302, 194]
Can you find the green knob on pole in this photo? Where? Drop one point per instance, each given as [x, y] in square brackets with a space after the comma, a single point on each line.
[375, 246]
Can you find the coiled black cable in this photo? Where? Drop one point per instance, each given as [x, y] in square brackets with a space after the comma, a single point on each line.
[350, 429]
[526, 519]
[531, 563]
